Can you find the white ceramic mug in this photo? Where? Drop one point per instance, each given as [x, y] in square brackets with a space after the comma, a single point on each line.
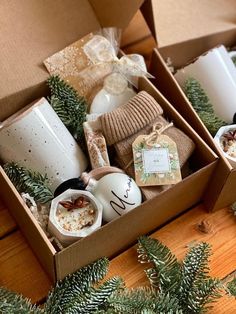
[36, 138]
[216, 73]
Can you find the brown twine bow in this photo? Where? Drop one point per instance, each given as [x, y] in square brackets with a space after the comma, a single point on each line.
[157, 130]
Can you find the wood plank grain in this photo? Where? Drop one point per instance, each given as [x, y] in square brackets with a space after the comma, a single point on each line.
[7, 223]
[177, 236]
[19, 269]
[225, 305]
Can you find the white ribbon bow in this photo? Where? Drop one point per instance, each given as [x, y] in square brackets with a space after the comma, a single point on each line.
[101, 52]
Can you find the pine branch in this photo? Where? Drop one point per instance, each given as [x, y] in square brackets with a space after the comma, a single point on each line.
[231, 287]
[70, 107]
[75, 285]
[211, 121]
[29, 182]
[205, 292]
[201, 104]
[168, 303]
[12, 303]
[165, 274]
[194, 271]
[197, 96]
[82, 293]
[133, 300]
[95, 298]
[234, 60]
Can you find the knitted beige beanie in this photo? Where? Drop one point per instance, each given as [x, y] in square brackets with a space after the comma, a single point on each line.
[129, 118]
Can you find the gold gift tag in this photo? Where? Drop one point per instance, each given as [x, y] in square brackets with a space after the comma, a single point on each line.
[156, 160]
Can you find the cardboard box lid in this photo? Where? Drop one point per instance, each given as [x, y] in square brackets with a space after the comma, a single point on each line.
[174, 21]
[32, 30]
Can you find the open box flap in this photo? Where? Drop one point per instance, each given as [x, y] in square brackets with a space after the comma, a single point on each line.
[32, 30]
[116, 12]
[174, 21]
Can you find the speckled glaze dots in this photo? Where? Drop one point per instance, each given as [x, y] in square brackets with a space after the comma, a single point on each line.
[36, 138]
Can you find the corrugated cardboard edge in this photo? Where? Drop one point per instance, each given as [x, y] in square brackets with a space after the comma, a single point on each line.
[29, 227]
[167, 84]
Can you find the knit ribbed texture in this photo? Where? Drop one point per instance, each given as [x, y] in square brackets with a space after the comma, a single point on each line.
[129, 118]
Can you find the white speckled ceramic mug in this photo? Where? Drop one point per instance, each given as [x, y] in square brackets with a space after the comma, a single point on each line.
[36, 138]
[216, 73]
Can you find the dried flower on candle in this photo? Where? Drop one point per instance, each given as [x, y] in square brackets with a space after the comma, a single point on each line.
[74, 215]
[228, 142]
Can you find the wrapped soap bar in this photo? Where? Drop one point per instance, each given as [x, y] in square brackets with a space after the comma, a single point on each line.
[96, 144]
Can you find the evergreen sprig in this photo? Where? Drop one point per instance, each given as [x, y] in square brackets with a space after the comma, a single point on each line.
[201, 104]
[166, 271]
[77, 293]
[231, 286]
[12, 303]
[196, 289]
[70, 107]
[234, 60]
[86, 291]
[188, 281]
[30, 182]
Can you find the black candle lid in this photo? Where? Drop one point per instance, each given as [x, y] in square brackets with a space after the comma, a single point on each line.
[75, 183]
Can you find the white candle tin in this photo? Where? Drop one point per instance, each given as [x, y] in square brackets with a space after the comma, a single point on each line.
[68, 237]
[217, 139]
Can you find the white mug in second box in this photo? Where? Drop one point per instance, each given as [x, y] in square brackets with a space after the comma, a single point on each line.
[216, 73]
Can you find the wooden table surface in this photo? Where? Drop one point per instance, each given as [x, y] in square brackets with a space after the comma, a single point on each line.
[20, 271]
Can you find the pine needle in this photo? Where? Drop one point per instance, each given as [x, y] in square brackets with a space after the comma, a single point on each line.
[201, 104]
[231, 286]
[30, 182]
[166, 271]
[234, 60]
[70, 107]
[12, 303]
[183, 289]
[74, 286]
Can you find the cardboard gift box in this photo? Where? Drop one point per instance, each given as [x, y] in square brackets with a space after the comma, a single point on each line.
[32, 30]
[184, 30]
